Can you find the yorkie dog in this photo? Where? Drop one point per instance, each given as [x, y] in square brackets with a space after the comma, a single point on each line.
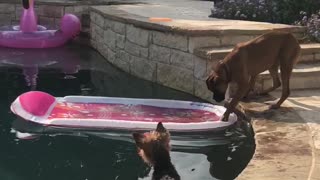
[154, 148]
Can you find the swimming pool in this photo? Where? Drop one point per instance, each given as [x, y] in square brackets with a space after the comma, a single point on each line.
[79, 70]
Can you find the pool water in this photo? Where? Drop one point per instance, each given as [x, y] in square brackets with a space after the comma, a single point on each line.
[79, 70]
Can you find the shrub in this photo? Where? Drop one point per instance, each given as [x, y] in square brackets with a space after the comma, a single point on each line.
[255, 10]
[290, 10]
[275, 11]
[313, 25]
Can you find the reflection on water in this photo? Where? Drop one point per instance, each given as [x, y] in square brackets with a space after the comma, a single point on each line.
[80, 71]
[30, 60]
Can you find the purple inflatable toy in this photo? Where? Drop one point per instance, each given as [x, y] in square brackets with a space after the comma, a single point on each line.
[31, 35]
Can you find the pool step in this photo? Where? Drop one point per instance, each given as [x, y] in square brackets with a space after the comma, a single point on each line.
[309, 53]
[304, 76]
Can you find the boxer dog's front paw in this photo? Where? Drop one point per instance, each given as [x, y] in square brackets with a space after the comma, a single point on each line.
[225, 117]
[272, 104]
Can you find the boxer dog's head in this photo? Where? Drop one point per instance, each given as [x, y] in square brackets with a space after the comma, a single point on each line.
[218, 81]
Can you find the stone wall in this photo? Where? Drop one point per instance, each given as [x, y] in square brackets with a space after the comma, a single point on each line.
[108, 80]
[162, 57]
[7, 14]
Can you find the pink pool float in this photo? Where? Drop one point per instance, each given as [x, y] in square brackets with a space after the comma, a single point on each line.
[92, 113]
[31, 35]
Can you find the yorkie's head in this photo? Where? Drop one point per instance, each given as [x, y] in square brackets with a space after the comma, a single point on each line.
[149, 144]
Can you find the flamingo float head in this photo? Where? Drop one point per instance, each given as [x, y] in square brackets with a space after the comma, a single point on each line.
[28, 20]
[27, 3]
[70, 25]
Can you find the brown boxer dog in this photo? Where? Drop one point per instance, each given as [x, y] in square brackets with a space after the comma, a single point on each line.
[241, 66]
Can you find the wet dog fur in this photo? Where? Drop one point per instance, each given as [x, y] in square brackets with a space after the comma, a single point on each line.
[154, 148]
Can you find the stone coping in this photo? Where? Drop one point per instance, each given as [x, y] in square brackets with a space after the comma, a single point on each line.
[212, 53]
[303, 68]
[131, 14]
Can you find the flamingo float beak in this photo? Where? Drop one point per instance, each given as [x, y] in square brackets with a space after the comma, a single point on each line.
[25, 4]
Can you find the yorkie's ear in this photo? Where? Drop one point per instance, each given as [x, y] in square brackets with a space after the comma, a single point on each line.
[138, 138]
[161, 128]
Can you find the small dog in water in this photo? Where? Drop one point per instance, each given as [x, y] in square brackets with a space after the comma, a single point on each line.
[154, 148]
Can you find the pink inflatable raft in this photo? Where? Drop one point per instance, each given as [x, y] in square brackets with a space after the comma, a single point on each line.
[93, 113]
[31, 35]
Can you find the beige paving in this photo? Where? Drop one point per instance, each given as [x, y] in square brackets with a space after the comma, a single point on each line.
[288, 139]
[139, 15]
[306, 103]
[310, 52]
[283, 143]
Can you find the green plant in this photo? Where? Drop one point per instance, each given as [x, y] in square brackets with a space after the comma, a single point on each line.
[312, 23]
[275, 11]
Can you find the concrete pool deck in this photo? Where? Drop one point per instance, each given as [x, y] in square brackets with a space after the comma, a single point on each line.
[306, 103]
[184, 22]
[288, 139]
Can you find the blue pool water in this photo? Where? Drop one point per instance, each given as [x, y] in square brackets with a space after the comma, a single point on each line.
[77, 70]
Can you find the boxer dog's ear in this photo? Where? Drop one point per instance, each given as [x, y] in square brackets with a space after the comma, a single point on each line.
[217, 81]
